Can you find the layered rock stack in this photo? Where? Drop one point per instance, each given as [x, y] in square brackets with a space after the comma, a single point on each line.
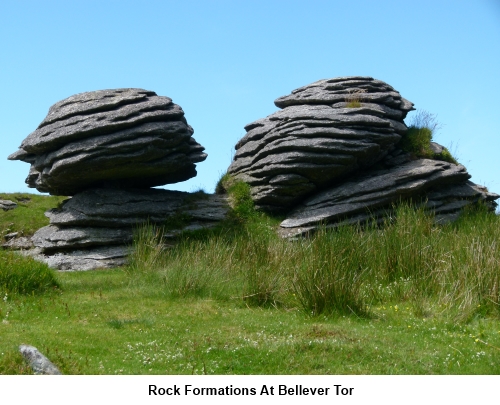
[113, 138]
[324, 132]
[332, 156]
[107, 149]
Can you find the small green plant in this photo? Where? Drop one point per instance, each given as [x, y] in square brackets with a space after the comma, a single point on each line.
[354, 98]
[418, 142]
[446, 156]
[419, 136]
[240, 197]
[23, 275]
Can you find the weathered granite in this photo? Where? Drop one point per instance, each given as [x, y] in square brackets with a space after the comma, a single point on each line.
[371, 195]
[7, 205]
[111, 138]
[37, 361]
[20, 243]
[102, 257]
[96, 228]
[326, 131]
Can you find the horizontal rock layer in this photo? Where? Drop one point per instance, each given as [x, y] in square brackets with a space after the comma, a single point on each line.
[317, 140]
[443, 186]
[351, 88]
[118, 138]
[7, 205]
[96, 228]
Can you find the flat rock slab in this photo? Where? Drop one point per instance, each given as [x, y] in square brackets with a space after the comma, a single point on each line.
[370, 196]
[102, 257]
[325, 132]
[7, 205]
[116, 208]
[121, 137]
[96, 228]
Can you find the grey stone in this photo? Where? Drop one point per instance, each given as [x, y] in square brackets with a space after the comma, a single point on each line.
[371, 195]
[112, 138]
[341, 89]
[11, 235]
[318, 139]
[37, 361]
[53, 238]
[101, 257]
[20, 243]
[7, 205]
[129, 208]
[95, 228]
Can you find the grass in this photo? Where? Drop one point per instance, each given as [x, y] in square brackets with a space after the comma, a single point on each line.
[100, 324]
[354, 98]
[418, 138]
[28, 216]
[23, 275]
[408, 298]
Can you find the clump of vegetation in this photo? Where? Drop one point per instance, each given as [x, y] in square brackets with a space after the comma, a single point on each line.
[23, 275]
[240, 197]
[419, 136]
[341, 271]
[354, 98]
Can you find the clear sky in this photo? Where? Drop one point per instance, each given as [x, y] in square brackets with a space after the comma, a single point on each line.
[225, 62]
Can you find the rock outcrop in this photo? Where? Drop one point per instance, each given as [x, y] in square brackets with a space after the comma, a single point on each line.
[95, 228]
[107, 149]
[7, 205]
[110, 138]
[333, 156]
[325, 132]
[440, 186]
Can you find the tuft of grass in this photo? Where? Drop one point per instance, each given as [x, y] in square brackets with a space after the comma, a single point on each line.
[334, 272]
[418, 138]
[24, 275]
[354, 98]
[446, 156]
[328, 274]
[418, 142]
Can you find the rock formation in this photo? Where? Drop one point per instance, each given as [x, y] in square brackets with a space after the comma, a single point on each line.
[107, 149]
[96, 227]
[371, 196]
[326, 131]
[332, 156]
[110, 138]
[7, 205]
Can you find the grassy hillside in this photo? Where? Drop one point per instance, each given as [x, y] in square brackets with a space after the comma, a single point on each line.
[29, 214]
[409, 298]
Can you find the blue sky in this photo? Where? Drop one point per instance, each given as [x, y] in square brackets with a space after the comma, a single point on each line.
[225, 62]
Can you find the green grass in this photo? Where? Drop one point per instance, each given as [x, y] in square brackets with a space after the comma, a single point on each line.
[23, 275]
[100, 324]
[28, 216]
[407, 298]
[419, 136]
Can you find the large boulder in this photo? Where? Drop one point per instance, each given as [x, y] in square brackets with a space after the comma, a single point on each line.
[110, 138]
[326, 131]
[96, 228]
[441, 187]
